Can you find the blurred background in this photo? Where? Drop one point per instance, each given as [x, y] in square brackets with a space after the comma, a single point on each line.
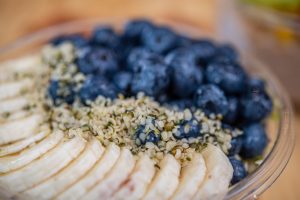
[269, 29]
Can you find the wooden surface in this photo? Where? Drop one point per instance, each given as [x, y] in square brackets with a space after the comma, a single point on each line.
[20, 17]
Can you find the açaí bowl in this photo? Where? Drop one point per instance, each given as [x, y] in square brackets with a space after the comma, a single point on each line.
[279, 124]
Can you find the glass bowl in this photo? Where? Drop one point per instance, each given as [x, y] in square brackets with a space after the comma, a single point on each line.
[279, 124]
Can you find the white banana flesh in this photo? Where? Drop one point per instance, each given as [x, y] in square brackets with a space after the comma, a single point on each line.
[16, 130]
[69, 175]
[13, 105]
[21, 66]
[113, 180]
[13, 89]
[94, 176]
[134, 187]
[14, 116]
[166, 180]
[218, 176]
[44, 167]
[22, 144]
[192, 176]
[14, 162]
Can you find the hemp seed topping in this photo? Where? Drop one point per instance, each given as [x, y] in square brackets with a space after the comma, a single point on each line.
[118, 120]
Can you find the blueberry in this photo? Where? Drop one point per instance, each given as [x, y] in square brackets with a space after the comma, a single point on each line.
[95, 86]
[136, 55]
[256, 106]
[227, 126]
[83, 61]
[76, 39]
[233, 110]
[228, 76]
[204, 50]
[53, 90]
[255, 84]
[98, 60]
[182, 53]
[236, 145]
[239, 171]
[188, 129]
[159, 39]
[152, 77]
[186, 76]
[123, 52]
[122, 81]
[180, 104]
[134, 29]
[163, 98]
[227, 52]
[254, 141]
[211, 99]
[59, 94]
[142, 136]
[183, 41]
[152, 137]
[105, 36]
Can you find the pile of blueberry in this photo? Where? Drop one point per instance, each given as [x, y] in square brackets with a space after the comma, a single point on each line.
[176, 71]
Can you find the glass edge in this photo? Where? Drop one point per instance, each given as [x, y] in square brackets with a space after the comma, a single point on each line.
[282, 18]
[280, 154]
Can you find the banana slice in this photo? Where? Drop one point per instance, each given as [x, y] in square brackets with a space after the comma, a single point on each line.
[45, 167]
[14, 116]
[20, 129]
[10, 163]
[73, 172]
[166, 180]
[192, 176]
[134, 187]
[5, 194]
[13, 105]
[12, 89]
[94, 176]
[114, 178]
[218, 176]
[23, 65]
[18, 146]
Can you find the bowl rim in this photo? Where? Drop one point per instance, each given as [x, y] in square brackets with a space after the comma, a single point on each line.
[267, 173]
[278, 157]
[270, 17]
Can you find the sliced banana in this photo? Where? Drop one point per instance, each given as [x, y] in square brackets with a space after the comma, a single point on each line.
[16, 130]
[94, 176]
[12, 89]
[22, 144]
[13, 105]
[13, 162]
[166, 180]
[70, 174]
[112, 181]
[218, 176]
[44, 167]
[5, 194]
[14, 116]
[192, 176]
[134, 187]
[23, 65]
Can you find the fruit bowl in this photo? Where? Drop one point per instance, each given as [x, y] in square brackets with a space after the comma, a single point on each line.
[279, 124]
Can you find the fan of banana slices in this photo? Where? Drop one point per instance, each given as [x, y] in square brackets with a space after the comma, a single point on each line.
[37, 163]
